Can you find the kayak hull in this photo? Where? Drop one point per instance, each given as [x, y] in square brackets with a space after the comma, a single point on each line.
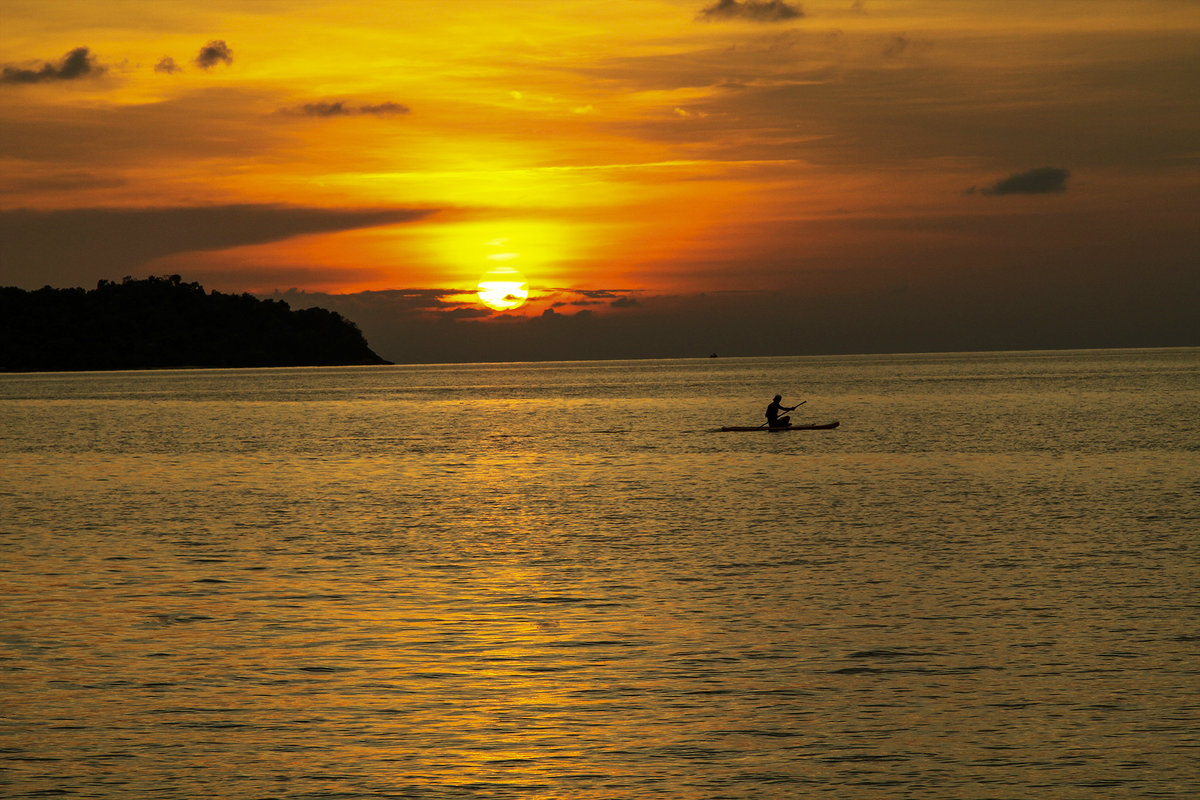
[803, 426]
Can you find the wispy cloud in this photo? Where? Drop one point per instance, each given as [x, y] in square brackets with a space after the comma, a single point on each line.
[339, 108]
[384, 109]
[752, 10]
[1042, 180]
[167, 66]
[79, 63]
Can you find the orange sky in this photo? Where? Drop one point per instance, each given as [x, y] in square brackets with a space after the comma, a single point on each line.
[647, 148]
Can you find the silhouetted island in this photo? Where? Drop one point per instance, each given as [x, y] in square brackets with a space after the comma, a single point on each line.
[162, 323]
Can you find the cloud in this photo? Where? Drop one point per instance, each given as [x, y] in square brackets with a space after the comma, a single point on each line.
[424, 303]
[69, 180]
[337, 109]
[384, 109]
[594, 293]
[753, 10]
[465, 312]
[1043, 180]
[214, 53]
[340, 109]
[167, 66]
[896, 46]
[73, 246]
[79, 63]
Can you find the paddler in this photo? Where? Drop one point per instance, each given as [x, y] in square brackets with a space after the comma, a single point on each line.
[773, 411]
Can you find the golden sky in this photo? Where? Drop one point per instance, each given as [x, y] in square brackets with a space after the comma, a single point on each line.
[644, 147]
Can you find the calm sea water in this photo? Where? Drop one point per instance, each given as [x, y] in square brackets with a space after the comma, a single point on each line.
[558, 581]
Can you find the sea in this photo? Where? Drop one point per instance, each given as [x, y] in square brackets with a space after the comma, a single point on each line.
[561, 580]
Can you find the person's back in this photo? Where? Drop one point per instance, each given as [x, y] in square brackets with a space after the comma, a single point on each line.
[773, 418]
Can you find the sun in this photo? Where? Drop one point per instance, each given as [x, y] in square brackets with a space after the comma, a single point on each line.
[503, 289]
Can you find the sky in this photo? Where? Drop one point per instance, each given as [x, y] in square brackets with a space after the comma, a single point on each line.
[671, 177]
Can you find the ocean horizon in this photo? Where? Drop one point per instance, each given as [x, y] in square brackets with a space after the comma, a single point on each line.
[1016, 351]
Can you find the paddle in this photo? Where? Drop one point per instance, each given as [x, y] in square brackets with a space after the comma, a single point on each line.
[793, 408]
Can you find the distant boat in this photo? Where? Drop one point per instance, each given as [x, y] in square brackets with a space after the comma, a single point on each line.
[802, 426]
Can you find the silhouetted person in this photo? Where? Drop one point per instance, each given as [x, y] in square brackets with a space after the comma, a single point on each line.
[773, 411]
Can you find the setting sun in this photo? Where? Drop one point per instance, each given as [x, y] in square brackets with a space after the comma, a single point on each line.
[503, 289]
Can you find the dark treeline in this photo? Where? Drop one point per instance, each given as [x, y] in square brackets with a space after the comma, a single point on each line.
[161, 323]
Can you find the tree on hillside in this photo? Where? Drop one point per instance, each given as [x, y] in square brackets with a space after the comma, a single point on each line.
[160, 323]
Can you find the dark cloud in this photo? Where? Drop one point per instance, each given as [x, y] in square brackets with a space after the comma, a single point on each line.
[896, 46]
[582, 298]
[59, 181]
[1043, 180]
[753, 10]
[167, 66]
[384, 109]
[412, 299]
[74, 247]
[79, 63]
[464, 312]
[428, 304]
[340, 109]
[214, 53]
[337, 109]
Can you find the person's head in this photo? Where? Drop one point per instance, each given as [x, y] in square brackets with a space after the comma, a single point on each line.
[778, 397]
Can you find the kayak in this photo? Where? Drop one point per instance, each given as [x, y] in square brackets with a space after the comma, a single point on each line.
[802, 426]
